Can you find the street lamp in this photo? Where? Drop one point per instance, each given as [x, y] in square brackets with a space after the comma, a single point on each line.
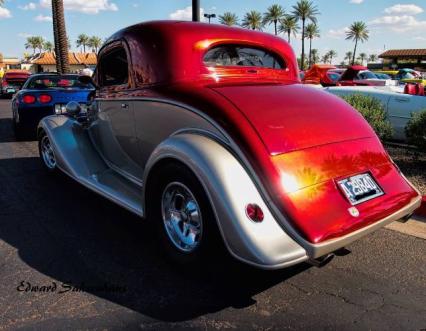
[209, 16]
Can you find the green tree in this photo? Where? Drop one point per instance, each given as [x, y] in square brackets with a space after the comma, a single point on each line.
[331, 54]
[362, 57]
[82, 41]
[311, 32]
[48, 46]
[348, 56]
[253, 20]
[273, 15]
[372, 58]
[288, 25]
[60, 35]
[34, 43]
[228, 19]
[325, 58]
[305, 10]
[315, 56]
[95, 43]
[358, 32]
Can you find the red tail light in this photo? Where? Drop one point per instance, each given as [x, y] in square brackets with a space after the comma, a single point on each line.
[29, 99]
[44, 98]
[4, 83]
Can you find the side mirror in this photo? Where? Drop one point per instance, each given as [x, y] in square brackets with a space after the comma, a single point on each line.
[73, 108]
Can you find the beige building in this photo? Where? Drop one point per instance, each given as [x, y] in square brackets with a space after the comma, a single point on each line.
[46, 62]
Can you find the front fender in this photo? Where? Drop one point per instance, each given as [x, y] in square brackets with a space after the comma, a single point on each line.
[229, 189]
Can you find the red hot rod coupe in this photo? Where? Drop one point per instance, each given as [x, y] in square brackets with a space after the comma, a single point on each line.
[206, 129]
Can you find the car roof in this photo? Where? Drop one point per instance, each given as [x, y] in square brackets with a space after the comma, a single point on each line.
[165, 51]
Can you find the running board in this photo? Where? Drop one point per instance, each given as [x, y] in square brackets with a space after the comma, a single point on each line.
[116, 188]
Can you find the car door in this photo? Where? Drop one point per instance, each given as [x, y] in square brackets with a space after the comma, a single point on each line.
[112, 129]
[401, 106]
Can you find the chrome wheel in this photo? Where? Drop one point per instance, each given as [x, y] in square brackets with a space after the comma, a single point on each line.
[47, 153]
[181, 217]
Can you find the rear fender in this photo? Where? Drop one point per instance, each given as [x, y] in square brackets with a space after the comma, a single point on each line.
[229, 189]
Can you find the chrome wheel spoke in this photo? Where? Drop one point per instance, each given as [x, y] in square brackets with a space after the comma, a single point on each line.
[47, 153]
[181, 217]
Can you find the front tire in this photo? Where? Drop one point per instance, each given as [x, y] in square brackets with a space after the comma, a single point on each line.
[182, 215]
[46, 152]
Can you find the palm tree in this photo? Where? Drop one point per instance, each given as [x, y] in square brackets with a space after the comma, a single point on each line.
[82, 41]
[348, 56]
[315, 56]
[331, 54]
[273, 15]
[228, 19]
[325, 58]
[288, 24]
[253, 20]
[94, 43]
[372, 58]
[31, 44]
[311, 32]
[362, 57]
[358, 32]
[60, 35]
[48, 46]
[304, 10]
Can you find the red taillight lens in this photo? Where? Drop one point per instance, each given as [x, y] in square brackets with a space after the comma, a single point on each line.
[29, 99]
[254, 212]
[44, 98]
[4, 83]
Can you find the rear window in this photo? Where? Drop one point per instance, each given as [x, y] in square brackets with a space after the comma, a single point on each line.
[240, 55]
[49, 82]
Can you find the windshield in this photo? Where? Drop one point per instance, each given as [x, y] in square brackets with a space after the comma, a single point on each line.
[366, 75]
[238, 55]
[55, 82]
[334, 76]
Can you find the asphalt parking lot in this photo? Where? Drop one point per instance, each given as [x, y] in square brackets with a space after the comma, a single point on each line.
[70, 259]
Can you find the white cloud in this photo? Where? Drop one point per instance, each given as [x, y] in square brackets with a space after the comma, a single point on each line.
[42, 18]
[185, 14]
[408, 9]
[5, 13]
[357, 2]
[402, 23]
[84, 6]
[28, 6]
[337, 33]
[418, 38]
[24, 35]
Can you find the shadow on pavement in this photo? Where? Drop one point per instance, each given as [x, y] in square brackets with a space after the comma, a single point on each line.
[70, 234]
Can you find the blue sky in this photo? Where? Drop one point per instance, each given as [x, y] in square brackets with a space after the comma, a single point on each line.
[392, 24]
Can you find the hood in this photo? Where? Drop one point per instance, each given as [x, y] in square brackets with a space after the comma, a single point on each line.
[294, 117]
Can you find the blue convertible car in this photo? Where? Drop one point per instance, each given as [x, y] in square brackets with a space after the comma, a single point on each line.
[43, 95]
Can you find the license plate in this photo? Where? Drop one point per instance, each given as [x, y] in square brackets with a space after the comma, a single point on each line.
[10, 90]
[360, 188]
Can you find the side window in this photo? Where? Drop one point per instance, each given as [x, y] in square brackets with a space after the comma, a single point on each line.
[114, 69]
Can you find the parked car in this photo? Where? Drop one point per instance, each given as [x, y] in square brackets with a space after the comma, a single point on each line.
[399, 106]
[321, 74]
[12, 82]
[43, 95]
[360, 76]
[205, 129]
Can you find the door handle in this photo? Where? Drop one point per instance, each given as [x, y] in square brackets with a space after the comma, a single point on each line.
[125, 105]
[401, 99]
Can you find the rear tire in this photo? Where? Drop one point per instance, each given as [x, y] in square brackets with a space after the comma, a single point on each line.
[47, 155]
[182, 215]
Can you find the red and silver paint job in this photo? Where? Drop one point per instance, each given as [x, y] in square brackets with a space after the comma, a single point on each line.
[250, 136]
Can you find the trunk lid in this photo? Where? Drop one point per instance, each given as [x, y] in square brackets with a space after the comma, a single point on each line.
[294, 117]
